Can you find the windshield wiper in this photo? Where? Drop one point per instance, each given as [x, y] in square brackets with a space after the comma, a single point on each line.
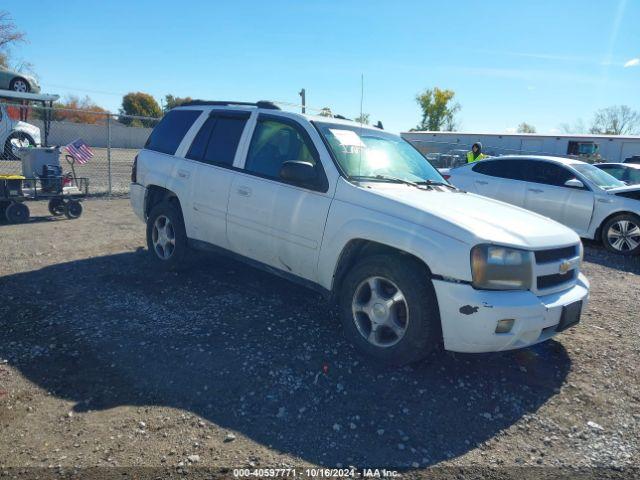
[387, 178]
[437, 184]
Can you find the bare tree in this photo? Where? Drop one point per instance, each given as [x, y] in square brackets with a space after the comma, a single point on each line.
[362, 119]
[616, 120]
[577, 127]
[524, 127]
[9, 35]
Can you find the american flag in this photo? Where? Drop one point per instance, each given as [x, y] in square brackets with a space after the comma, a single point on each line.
[80, 151]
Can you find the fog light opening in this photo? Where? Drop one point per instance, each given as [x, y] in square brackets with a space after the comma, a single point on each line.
[505, 325]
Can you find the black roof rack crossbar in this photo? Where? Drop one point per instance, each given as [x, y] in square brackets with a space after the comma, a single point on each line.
[260, 104]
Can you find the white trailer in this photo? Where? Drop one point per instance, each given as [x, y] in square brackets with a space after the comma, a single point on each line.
[591, 148]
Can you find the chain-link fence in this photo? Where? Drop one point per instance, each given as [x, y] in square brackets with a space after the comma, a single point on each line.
[114, 140]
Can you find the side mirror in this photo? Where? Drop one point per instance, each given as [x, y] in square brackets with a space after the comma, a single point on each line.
[574, 183]
[302, 173]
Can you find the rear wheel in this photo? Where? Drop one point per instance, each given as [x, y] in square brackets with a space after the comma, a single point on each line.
[17, 212]
[621, 234]
[166, 236]
[389, 310]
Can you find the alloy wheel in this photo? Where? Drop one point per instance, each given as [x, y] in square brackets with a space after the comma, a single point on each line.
[380, 312]
[20, 86]
[163, 237]
[624, 235]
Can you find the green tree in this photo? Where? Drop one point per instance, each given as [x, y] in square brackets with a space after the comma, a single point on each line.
[9, 36]
[616, 120]
[363, 118]
[524, 127]
[438, 109]
[142, 105]
[326, 112]
[171, 102]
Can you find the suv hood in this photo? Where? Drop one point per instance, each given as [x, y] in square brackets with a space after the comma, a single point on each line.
[467, 217]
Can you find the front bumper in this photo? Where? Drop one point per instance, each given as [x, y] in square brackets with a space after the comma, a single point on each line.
[469, 316]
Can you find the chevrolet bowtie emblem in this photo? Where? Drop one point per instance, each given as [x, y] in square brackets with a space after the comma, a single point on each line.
[565, 266]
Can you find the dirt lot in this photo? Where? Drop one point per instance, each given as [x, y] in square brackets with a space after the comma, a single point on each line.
[105, 361]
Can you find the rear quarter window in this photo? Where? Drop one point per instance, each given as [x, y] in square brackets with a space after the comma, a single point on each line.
[168, 134]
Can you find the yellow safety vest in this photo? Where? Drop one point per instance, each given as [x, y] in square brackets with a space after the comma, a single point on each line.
[470, 158]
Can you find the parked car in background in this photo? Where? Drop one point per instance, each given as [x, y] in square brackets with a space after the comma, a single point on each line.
[632, 159]
[360, 215]
[18, 82]
[577, 194]
[15, 134]
[628, 173]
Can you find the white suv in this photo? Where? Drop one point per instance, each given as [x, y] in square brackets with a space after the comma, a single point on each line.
[360, 215]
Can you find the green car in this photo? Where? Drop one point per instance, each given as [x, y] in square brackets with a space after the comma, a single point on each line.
[18, 82]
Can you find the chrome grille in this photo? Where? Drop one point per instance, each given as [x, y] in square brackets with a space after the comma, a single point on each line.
[556, 269]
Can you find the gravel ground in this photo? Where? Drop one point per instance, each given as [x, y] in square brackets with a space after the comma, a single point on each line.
[105, 361]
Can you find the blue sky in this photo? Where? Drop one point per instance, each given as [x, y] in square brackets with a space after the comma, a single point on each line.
[544, 62]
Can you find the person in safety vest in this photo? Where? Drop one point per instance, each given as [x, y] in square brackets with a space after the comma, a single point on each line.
[476, 153]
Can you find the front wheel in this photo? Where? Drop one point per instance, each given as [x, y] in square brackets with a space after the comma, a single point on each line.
[14, 142]
[621, 234]
[166, 236]
[389, 310]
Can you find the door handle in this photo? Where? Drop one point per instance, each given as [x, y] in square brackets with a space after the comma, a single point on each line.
[184, 173]
[535, 190]
[244, 191]
[481, 182]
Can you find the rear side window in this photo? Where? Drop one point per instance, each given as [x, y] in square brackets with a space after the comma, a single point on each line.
[217, 141]
[168, 134]
[511, 170]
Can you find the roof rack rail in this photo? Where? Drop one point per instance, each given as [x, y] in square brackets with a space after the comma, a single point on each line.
[260, 104]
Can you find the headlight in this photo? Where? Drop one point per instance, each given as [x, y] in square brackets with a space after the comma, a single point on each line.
[581, 253]
[501, 268]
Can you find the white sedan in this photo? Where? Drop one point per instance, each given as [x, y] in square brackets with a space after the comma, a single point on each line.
[590, 201]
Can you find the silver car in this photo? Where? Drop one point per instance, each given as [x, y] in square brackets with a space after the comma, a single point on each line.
[590, 201]
[18, 82]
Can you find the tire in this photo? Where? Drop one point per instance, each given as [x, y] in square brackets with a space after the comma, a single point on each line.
[19, 85]
[20, 137]
[621, 234]
[17, 212]
[167, 242]
[407, 330]
[56, 207]
[72, 209]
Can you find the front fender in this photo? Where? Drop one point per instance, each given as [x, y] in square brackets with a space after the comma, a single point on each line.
[444, 255]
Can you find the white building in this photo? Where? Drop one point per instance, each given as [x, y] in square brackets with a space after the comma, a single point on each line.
[610, 148]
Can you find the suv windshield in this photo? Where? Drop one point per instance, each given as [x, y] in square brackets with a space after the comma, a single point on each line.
[376, 155]
[601, 178]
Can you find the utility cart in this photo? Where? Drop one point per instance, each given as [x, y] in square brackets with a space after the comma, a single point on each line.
[42, 179]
